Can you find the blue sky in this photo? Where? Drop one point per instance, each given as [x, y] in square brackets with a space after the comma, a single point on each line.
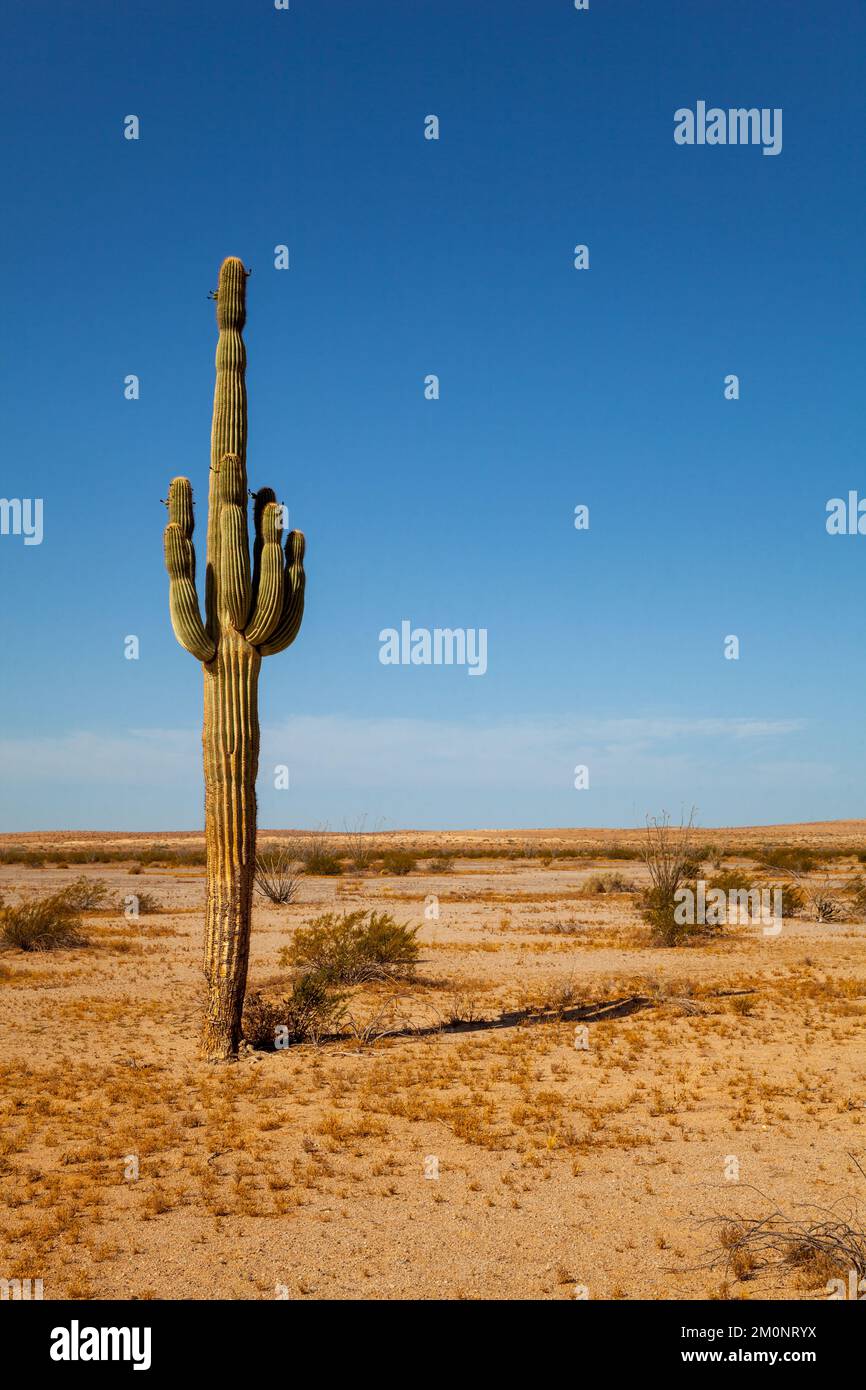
[557, 387]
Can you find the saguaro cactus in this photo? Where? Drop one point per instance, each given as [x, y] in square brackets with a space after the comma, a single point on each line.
[248, 615]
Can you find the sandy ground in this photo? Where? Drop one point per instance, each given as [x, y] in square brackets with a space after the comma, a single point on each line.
[491, 1157]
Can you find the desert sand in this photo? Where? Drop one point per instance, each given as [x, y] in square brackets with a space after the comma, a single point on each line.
[458, 1140]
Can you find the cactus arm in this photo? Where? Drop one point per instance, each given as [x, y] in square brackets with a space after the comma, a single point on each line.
[180, 508]
[234, 567]
[261, 500]
[293, 598]
[180, 563]
[268, 604]
[182, 597]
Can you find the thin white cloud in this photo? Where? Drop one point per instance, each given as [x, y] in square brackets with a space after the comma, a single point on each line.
[336, 750]
[149, 756]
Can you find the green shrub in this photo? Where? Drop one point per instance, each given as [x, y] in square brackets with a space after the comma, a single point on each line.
[739, 881]
[85, 894]
[319, 853]
[326, 864]
[799, 861]
[398, 861]
[311, 1010]
[353, 947]
[41, 924]
[671, 856]
[657, 907]
[732, 880]
[15, 854]
[322, 862]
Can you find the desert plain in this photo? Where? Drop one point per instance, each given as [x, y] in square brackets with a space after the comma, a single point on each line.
[551, 1108]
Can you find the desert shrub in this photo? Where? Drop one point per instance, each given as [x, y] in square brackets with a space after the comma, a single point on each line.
[461, 1009]
[527, 851]
[736, 884]
[732, 881]
[857, 889]
[657, 907]
[323, 863]
[608, 883]
[276, 876]
[549, 855]
[147, 904]
[571, 927]
[441, 863]
[15, 854]
[99, 854]
[317, 855]
[820, 1242]
[353, 947]
[554, 996]
[85, 894]
[793, 899]
[824, 906]
[41, 924]
[670, 855]
[163, 854]
[692, 867]
[398, 861]
[822, 900]
[799, 861]
[742, 1004]
[311, 1010]
[740, 882]
[360, 844]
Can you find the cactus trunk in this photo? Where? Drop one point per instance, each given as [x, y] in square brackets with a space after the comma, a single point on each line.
[249, 613]
[231, 755]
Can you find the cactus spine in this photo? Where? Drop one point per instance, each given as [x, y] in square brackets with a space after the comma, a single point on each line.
[247, 616]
